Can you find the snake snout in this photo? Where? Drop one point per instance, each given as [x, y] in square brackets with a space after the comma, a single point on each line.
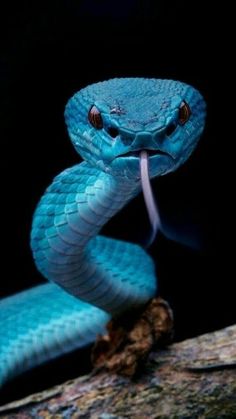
[147, 139]
[142, 140]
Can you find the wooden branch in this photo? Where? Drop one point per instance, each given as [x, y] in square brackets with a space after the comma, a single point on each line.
[189, 379]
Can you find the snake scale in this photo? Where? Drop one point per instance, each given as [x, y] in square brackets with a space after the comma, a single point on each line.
[113, 125]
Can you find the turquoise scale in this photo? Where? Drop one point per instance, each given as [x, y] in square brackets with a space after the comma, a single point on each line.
[92, 277]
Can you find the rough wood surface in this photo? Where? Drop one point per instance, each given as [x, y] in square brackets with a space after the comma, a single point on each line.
[176, 383]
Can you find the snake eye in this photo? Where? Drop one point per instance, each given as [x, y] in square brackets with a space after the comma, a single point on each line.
[184, 113]
[95, 117]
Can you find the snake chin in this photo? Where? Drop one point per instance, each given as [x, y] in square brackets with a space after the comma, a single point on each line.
[127, 165]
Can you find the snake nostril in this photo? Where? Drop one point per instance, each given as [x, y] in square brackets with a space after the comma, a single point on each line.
[113, 132]
[170, 129]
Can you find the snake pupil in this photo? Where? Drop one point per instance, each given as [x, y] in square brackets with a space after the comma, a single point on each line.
[95, 117]
[184, 113]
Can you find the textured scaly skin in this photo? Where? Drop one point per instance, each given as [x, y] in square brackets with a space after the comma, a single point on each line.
[110, 276]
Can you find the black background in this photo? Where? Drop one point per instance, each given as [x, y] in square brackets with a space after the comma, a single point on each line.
[52, 49]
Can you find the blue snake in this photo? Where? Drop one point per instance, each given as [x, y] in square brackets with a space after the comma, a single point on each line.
[126, 130]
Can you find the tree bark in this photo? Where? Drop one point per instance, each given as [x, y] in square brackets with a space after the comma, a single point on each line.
[195, 378]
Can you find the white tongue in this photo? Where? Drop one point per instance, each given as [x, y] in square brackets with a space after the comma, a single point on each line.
[151, 206]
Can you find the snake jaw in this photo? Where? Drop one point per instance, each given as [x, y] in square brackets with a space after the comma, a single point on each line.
[160, 162]
[151, 152]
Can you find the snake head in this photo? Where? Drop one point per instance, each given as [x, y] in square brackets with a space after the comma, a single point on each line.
[111, 122]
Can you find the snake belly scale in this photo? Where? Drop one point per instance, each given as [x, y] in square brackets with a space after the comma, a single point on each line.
[92, 277]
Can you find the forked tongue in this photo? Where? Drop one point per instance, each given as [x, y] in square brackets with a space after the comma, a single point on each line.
[149, 199]
[194, 241]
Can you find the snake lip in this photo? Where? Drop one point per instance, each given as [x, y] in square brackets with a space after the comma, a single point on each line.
[151, 153]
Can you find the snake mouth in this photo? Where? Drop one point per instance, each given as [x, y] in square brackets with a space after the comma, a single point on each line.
[150, 152]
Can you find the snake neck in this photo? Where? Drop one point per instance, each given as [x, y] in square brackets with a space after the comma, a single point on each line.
[64, 239]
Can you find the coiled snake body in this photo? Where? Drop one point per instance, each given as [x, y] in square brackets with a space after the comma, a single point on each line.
[92, 277]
